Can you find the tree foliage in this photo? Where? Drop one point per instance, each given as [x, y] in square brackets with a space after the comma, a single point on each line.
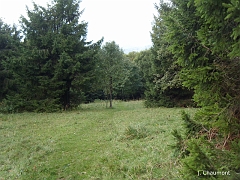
[204, 38]
[9, 44]
[133, 87]
[110, 68]
[55, 65]
[163, 84]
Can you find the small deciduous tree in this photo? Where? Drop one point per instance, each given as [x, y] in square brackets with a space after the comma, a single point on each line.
[110, 69]
[131, 87]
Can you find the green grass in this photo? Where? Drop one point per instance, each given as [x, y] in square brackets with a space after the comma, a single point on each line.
[94, 142]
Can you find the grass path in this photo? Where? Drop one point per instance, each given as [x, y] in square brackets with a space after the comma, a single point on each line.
[126, 142]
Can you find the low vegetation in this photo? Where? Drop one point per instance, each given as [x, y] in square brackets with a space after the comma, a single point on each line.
[93, 142]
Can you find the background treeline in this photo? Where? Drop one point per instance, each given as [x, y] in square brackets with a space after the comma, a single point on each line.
[46, 64]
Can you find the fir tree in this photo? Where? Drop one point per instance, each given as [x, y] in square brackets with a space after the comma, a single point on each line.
[9, 44]
[164, 85]
[56, 62]
[203, 36]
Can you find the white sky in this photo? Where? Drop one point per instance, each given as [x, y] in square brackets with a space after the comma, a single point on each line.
[127, 22]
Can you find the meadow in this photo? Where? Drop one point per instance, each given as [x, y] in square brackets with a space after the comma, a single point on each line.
[92, 142]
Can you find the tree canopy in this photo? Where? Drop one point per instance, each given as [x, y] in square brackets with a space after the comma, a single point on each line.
[118, 76]
[203, 38]
[55, 63]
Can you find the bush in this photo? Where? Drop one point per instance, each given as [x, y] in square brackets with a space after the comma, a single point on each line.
[198, 150]
[135, 132]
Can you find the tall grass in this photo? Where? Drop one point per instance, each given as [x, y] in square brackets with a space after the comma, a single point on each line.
[94, 142]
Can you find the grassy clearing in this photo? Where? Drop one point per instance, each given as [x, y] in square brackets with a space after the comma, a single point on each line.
[126, 142]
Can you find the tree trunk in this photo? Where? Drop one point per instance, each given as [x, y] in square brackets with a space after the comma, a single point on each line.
[106, 98]
[66, 98]
[110, 92]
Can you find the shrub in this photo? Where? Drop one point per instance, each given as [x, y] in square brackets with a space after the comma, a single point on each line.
[135, 132]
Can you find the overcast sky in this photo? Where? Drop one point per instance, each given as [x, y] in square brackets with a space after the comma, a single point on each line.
[127, 22]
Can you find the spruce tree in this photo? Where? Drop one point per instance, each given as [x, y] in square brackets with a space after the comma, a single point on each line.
[204, 37]
[56, 63]
[9, 45]
[164, 85]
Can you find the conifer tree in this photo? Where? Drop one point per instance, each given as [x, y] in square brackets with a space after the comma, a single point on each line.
[204, 37]
[164, 85]
[56, 63]
[9, 44]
